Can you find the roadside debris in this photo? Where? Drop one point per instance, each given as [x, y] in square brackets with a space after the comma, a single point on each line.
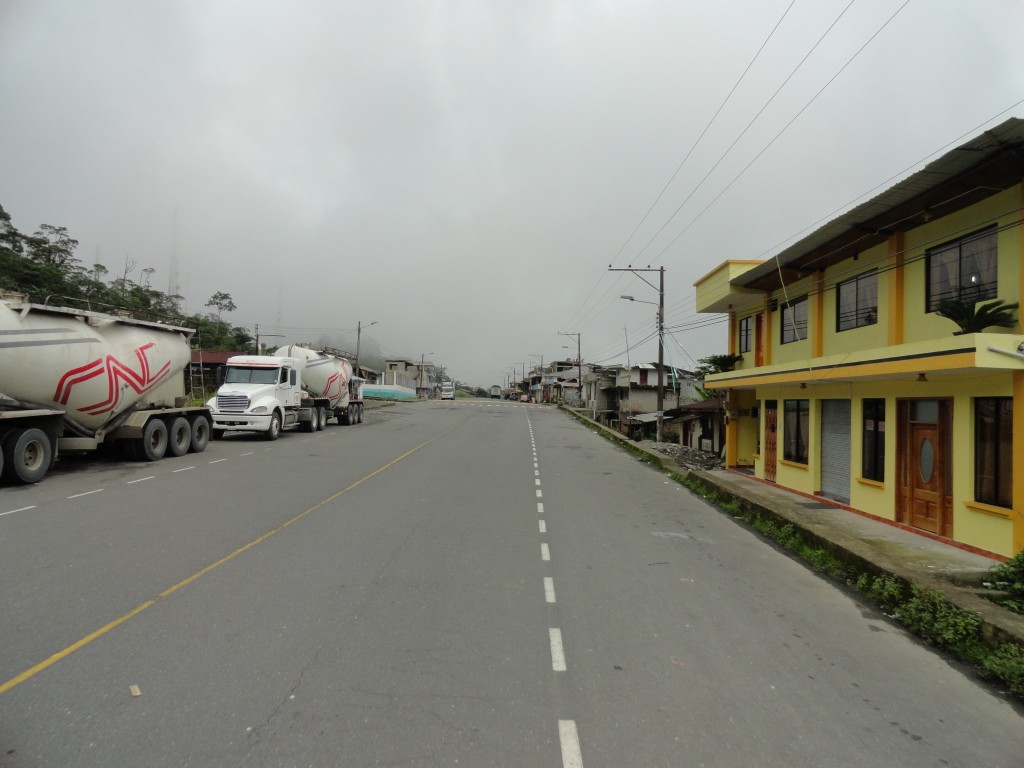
[689, 458]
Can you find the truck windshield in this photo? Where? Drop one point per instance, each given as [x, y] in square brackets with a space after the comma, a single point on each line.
[240, 375]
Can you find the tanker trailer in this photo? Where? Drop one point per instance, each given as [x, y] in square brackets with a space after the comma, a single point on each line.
[328, 374]
[73, 380]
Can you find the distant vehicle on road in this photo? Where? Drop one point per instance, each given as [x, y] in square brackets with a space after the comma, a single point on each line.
[496, 392]
[524, 398]
[447, 391]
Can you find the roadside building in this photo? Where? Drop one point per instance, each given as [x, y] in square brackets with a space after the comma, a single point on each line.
[851, 386]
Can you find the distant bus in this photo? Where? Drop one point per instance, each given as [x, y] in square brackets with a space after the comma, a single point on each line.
[447, 391]
[496, 392]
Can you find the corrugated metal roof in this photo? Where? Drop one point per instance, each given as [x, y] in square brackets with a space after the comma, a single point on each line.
[989, 162]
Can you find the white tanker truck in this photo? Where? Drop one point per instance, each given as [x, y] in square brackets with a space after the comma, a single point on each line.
[294, 387]
[73, 380]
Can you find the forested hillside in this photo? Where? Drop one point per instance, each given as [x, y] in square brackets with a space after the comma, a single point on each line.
[44, 266]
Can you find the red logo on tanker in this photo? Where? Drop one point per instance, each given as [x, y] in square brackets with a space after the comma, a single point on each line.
[116, 372]
[334, 380]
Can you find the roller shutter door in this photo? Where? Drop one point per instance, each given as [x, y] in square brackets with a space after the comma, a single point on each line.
[835, 450]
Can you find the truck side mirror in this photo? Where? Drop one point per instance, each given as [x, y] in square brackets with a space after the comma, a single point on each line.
[292, 378]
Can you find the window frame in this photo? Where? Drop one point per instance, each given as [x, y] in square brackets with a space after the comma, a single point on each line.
[872, 460]
[745, 334]
[1000, 474]
[862, 315]
[984, 291]
[796, 436]
[794, 326]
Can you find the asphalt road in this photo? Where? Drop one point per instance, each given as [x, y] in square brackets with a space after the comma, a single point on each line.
[472, 583]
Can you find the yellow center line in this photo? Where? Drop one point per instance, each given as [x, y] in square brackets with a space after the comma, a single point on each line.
[62, 654]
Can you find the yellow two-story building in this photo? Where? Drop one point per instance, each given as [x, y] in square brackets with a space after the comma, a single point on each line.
[852, 387]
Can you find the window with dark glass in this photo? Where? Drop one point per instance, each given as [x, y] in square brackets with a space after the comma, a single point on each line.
[857, 301]
[993, 451]
[796, 427]
[794, 320]
[964, 270]
[873, 456]
[745, 333]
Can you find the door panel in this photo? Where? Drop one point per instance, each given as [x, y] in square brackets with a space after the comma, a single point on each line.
[925, 477]
[771, 418]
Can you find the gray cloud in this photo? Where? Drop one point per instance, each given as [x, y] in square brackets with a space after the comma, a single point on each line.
[463, 172]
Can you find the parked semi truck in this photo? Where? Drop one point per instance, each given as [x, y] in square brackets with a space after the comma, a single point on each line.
[295, 387]
[74, 380]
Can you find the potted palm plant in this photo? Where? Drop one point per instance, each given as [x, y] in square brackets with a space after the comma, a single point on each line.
[975, 318]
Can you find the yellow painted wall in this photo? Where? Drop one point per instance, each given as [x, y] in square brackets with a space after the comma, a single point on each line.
[796, 350]
[746, 433]
[1001, 209]
[990, 529]
[870, 336]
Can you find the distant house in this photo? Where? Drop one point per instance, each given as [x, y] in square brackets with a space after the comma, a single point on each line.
[414, 374]
[623, 397]
[851, 384]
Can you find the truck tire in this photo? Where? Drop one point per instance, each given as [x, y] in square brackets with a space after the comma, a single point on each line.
[360, 406]
[200, 437]
[179, 437]
[274, 431]
[321, 415]
[314, 420]
[27, 455]
[154, 440]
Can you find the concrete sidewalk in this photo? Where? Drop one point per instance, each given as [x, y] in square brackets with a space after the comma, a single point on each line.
[877, 547]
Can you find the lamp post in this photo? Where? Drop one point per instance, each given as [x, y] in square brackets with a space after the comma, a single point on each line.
[579, 363]
[661, 333]
[359, 333]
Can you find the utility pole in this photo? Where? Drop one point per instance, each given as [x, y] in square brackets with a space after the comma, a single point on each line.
[661, 333]
[359, 333]
[579, 365]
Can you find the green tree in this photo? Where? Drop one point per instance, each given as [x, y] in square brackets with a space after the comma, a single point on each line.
[52, 245]
[222, 302]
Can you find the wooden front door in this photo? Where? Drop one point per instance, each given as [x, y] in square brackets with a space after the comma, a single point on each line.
[771, 419]
[925, 477]
[924, 465]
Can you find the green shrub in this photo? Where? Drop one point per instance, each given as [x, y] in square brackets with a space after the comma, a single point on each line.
[1010, 576]
[1007, 665]
[931, 616]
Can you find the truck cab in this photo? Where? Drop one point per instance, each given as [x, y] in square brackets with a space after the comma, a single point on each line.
[259, 394]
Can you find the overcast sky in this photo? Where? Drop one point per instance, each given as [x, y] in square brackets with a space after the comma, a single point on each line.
[463, 173]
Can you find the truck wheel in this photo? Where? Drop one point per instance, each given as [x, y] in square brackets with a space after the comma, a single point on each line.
[154, 440]
[179, 436]
[311, 425]
[275, 427]
[360, 413]
[200, 434]
[28, 454]
[321, 416]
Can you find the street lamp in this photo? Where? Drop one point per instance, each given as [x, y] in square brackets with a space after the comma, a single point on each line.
[359, 333]
[579, 364]
[661, 333]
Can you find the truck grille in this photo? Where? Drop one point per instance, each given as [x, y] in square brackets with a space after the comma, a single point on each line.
[232, 403]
